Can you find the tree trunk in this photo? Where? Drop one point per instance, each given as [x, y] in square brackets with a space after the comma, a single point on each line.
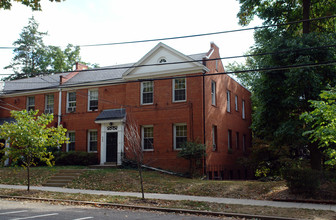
[306, 11]
[315, 156]
[141, 181]
[28, 177]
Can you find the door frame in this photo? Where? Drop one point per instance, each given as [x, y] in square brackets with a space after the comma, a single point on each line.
[108, 126]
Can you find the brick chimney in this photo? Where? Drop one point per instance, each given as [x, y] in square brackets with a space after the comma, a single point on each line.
[81, 66]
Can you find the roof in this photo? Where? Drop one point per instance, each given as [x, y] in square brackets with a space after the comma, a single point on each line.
[111, 114]
[108, 73]
[9, 120]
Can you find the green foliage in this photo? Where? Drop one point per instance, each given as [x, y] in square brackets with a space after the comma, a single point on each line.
[35, 5]
[30, 138]
[305, 181]
[195, 153]
[321, 121]
[284, 11]
[75, 158]
[281, 96]
[33, 58]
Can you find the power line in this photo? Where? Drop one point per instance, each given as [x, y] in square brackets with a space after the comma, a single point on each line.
[192, 61]
[198, 35]
[308, 65]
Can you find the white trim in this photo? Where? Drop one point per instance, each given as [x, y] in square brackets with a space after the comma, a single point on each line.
[120, 130]
[213, 93]
[236, 103]
[228, 101]
[185, 90]
[141, 93]
[88, 140]
[67, 102]
[89, 98]
[49, 110]
[143, 137]
[27, 102]
[68, 136]
[174, 133]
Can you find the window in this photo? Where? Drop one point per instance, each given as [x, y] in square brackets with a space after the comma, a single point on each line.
[216, 65]
[243, 109]
[237, 140]
[213, 92]
[92, 140]
[93, 100]
[72, 139]
[214, 137]
[180, 135]
[229, 140]
[49, 103]
[147, 138]
[71, 104]
[244, 143]
[147, 89]
[236, 103]
[228, 101]
[179, 90]
[30, 103]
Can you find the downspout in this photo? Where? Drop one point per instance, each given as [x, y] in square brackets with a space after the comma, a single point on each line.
[59, 117]
[203, 103]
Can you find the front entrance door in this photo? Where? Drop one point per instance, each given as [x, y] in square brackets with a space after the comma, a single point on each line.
[111, 147]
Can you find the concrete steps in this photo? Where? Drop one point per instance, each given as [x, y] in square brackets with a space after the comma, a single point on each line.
[105, 165]
[63, 177]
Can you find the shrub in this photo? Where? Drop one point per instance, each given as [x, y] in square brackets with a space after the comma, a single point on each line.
[305, 181]
[75, 158]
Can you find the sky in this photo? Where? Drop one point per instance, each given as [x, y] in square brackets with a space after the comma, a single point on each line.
[82, 22]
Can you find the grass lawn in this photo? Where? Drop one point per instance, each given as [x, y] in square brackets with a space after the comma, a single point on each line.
[154, 182]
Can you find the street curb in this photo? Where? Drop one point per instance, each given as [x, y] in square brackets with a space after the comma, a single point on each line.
[150, 208]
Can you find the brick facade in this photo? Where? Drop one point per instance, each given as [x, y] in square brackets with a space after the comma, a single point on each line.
[162, 114]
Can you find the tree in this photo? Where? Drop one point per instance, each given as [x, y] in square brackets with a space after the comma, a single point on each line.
[62, 61]
[133, 148]
[29, 59]
[194, 152]
[321, 121]
[281, 96]
[35, 5]
[33, 58]
[30, 138]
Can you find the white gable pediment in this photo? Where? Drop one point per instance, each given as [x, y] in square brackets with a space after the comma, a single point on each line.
[157, 62]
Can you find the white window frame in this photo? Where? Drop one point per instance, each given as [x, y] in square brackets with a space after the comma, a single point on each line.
[243, 109]
[214, 138]
[213, 93]
[185, 90]
[71, 102]
[236, 103]
[143, 137]
[68, 136]
[89, 141]
[89, 99]
[142, 92]
[49, 108]
[174, 133]
[228, 100]
[28, 104]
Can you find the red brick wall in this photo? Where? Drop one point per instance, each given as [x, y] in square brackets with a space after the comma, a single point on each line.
[163, 114]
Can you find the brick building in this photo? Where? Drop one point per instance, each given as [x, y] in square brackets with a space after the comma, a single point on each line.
[170, 103]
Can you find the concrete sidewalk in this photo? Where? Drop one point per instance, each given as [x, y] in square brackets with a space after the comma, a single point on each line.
[182, 197]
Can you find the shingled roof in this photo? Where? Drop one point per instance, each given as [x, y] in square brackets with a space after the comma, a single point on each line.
[109, 73]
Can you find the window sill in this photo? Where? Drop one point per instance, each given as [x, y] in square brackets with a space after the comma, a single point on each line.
[179, 101]
[146, 104]
[148, 150]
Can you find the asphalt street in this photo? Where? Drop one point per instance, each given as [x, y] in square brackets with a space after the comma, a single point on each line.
[21, 210]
